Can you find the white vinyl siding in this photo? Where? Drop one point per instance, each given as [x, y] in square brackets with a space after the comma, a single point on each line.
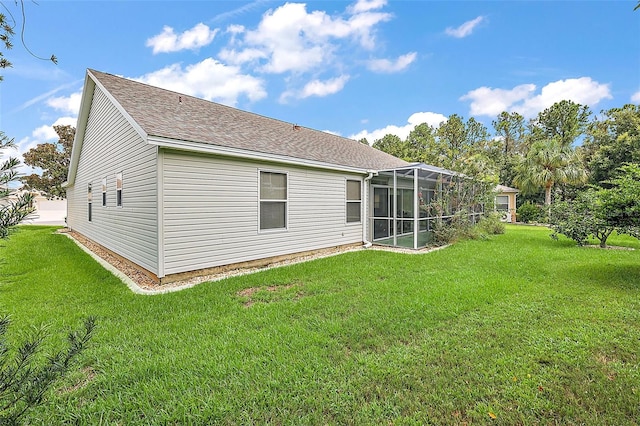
[111, 146]
[104, 192]
[210, 209]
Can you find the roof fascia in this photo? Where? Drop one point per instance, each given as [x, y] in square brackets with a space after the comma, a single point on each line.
[81, 126]
[120, 108]
[249, 155]
[90, 84]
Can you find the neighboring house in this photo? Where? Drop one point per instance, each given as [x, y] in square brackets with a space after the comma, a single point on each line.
[177, 184]
[47, 211]
[506, 202]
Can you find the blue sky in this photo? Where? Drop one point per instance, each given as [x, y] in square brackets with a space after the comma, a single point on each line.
[359, 69]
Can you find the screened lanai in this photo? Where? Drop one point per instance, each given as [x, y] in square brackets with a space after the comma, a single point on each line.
[405, 204]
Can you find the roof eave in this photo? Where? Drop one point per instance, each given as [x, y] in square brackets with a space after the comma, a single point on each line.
[249, 155]
[88, 90]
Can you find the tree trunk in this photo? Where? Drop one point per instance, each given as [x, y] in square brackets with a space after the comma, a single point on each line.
[603, 239]
[547, 194]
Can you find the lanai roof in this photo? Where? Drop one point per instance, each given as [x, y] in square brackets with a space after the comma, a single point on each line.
[170, 115]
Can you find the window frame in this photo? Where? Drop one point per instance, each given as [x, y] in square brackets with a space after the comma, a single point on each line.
[347, 201]
[285, 201]
[104, 192]
[496, 203]
[89, 202]
[119, 191]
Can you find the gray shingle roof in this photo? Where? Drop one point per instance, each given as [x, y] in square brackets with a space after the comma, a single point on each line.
[167, 114]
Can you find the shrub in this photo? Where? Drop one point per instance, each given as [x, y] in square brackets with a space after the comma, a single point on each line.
[581, 218]
[529, 212]
[24, 380]
[454, 228]
[491, 224]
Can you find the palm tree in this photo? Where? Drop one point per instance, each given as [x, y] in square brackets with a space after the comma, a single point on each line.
[549, 162]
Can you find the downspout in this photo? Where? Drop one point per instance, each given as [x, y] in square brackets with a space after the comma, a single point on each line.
[366, 242]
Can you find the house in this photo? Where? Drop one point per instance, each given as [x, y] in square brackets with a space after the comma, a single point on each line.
[505, 202]
[177, 185]
[46, 211]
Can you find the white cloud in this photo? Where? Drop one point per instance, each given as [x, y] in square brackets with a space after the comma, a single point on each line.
[465, 29]
[234, 57]
[636, 97]
[291, 39]
[316, 88]
[522, 99]
[46, 133]
[237, 12]
[366, 5]
[210, 80]
[431, 118]
[69, 104]
[42, 134]
[324, 88]
[331, 132]
[388, 66]
[488, 101]
[46, 95]
[168, 41]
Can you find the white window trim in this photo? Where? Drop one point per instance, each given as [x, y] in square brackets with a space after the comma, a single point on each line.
[103, 200]
[90, 202]
[121, 189]
[347, 201]
[286, 203]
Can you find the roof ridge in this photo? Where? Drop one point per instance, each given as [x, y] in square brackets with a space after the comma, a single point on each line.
[172, 115]
[151, 86]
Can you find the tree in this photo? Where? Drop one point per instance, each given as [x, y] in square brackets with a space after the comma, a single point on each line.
[598, 212]
[53, 159]
[459, 140]
[621, 202]
[547, 163]
[23, 380]
[510, 131]
[564, 121]
[581, 218]
[422, 145]
[12, 210]
[391, 144]
[611, 142]
[7, 32]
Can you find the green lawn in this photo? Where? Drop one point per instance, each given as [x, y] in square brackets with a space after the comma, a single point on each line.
[520, 327]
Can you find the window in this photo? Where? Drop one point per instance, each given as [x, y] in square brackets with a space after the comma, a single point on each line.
[89, 201]
[502, 203]
[119, 190]
[354, 201]
[273, 200]
[104, 192]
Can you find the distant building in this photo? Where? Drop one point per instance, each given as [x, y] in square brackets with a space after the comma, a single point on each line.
[506, 202]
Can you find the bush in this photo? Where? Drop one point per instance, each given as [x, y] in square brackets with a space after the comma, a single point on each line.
[454, 228]
[24, 380]
[571, 220]
[582, 218]
[491, 224]
[529, 212]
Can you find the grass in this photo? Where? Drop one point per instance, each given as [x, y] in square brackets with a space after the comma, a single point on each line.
[519, 327]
